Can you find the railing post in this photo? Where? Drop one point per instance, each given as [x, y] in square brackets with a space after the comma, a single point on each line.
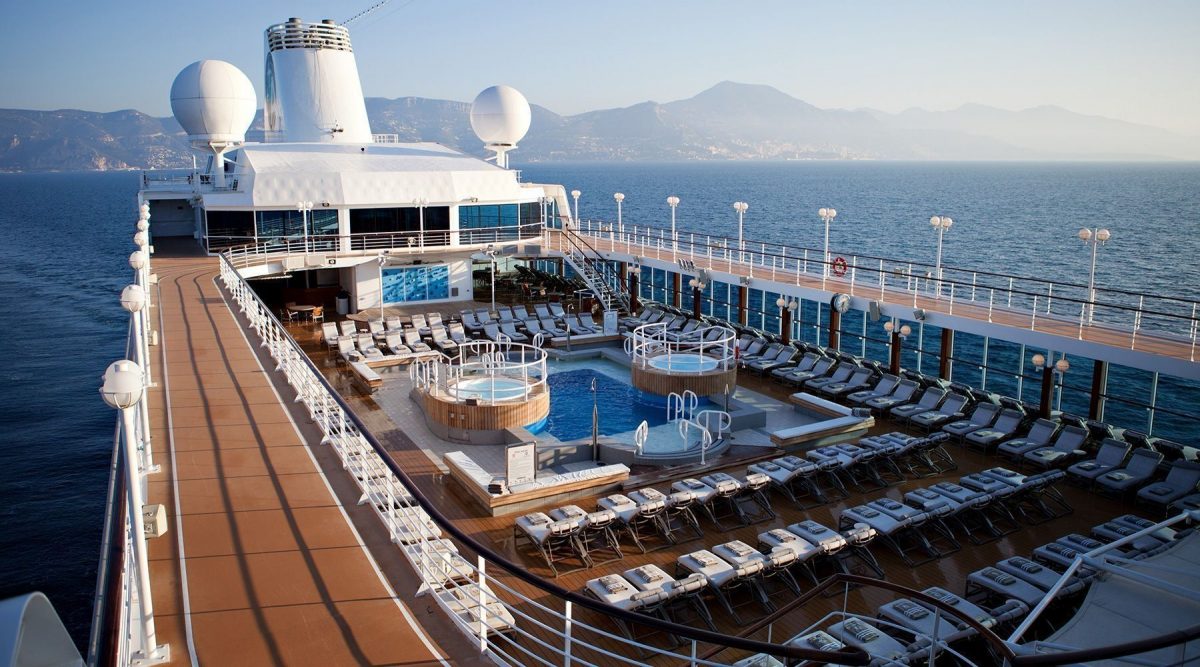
[1033, 314]
[482, 606]
[567, 635]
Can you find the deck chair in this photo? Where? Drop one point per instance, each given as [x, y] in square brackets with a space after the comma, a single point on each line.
[519, 313]
[542, 311]
[515, 336]
[1181, 481]
[347, 351]
[556, 310]
[765, 352]
[619, 592]
[394, 342]
[442, 340]
[903, 394]
[1067, 448]
[1005, 427]
[577, 326]
[413, 340]
[886, 385]
[1040, 435]
[640, 521]
[555, 541]
[366, 346]
[596, 536]
[393, 323]
[483, 316]
[471, 324]
[861, 634]
[950, 410]
[930, 399]
[981, 417]
[859, 379]
[802, 551]
[801, 480]
[348, 327]
[329, 335]
[682, 332]
[377, 329]
[839, 376]
[1034, 573]
[457, 334]
[991, 585]
[725, 580]
[681, 593]
[901, 535]
[805, 364]
[823, 367]
[435, 320]
[492, 331]
[764, 365]
[678, 516]
[1109, 457]
[728, 490]
[935, 529]
[504, 314]
[551, 328]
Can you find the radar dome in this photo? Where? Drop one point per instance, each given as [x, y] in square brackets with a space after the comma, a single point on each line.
[213, 101]
[500, 115]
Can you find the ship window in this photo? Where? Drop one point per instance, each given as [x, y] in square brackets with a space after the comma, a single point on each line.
[402, 220]
[229, 227]
[290, 224]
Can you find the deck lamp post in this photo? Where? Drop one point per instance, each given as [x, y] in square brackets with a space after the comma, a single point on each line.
[381, 260]
[827, 214]
[941, 223]
[133, 300]
[421, 204]
[1094, 238]
[491, 253]
[575, 194]
[633, 271]
[786, 309]
[1049, 370]
[305, 207]
[697, 286]
[673, 201]
[619, 197]
[898, 334]
[123, 389]
[740, 207]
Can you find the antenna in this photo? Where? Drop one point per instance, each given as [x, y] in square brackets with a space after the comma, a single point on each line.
[364, 12]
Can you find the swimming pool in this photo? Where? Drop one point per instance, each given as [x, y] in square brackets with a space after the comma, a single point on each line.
[488, 389]
[683, 363]
[621, 407]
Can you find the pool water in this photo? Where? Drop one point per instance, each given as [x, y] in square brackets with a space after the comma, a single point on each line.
[684, 363]
[621, 407]
[489, 390]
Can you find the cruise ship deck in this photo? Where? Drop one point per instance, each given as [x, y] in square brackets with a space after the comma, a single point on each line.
[271, 561]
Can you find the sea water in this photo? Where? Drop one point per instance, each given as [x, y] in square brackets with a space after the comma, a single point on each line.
[65, 239]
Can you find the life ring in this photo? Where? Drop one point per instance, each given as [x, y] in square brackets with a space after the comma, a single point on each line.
[839, 266]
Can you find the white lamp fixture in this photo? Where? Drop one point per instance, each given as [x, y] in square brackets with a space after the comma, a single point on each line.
[1038, 361]
[740, 207]
[1096, 239]
[781, 303]
[575, 194]
[941, 223]
[619, 197]
[673, 201]
[826, 214]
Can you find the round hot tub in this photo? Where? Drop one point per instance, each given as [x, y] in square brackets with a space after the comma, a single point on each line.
[489, 390]
[683, 363]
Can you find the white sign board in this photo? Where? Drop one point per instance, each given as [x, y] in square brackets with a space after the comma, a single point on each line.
[521, 464]
[610, 323]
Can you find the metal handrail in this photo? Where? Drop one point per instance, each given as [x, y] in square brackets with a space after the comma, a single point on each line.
[574, 238]
[344, 429]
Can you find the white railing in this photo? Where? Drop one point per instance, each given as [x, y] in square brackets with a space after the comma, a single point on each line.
[704, 350]
[1032, 303]
[545, 627]
[481, 364]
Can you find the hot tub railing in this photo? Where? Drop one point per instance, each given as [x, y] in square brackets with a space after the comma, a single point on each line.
[485, 360]
[654, 341]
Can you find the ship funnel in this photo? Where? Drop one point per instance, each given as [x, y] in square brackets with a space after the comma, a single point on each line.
[312, 88]
[215, 104]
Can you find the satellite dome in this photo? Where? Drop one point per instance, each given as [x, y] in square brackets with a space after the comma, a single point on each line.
[500, 115]
[213, 101]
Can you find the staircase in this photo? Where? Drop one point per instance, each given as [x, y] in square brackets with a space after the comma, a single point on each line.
[595, 271]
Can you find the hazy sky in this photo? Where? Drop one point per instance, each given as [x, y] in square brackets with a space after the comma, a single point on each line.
[1137, 61]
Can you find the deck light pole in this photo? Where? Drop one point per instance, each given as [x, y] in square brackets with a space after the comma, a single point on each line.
[941, 223]
[786, 309]
[673, 201]
[898, 335]
[575, 194]
[305, 207]
[697, 286]
[740, 207]
[1095, 239]
[421, 204]
[133, 300]
[1049, 370]
[123, 389]
[491, 253]
[619, 197]
[827, 214]
[382, 260]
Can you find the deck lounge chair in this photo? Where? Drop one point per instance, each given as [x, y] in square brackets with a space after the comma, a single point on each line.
[1040, 435]
[470, 323]
[346, 349]
[1109, 457]
[764, 365]
[981, 417]
[419, 324]
[551, 328]
[860, 378]
[413, 340]
[930, 399]
[457, 334]
[802, 550]
[394, 342]
[435, 320]
[861, 634]
[1067, 448]
[393, 323]
[805, 363]
[1005, 427]
[824, 367]
[950, 410]
[839, 376]
[329, 335]
[519, 313]
[1181, 481]
[542, 311]
[579, 327]
[903, 394]
[510, 330]
[555, 541]
[556, 310]
[348, 327]
[766, 352]
[902, 535]
[724, 579]
[886, 385]
[366, 346]
[640, 521]
[442, 340]
[377, 330]
[504, 314]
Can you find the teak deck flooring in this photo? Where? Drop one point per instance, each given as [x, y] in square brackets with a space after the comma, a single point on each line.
[280, 562]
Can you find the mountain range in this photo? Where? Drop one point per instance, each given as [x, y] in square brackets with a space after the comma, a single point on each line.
[730, 121]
